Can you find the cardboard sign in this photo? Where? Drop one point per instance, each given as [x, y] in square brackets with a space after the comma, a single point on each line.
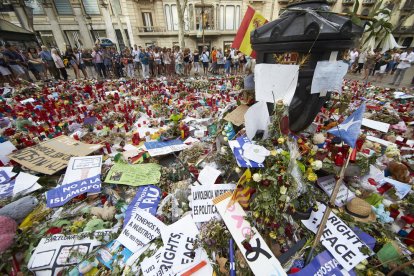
[161, 148]
[261, 259]
[80, 168]
[140, 230]
[134, 175]
[54, 253]
[202, 205]
[383, 127]
[338, 238]
[53, 155]
[236, 117]
[147, 199]
[62, 194]
[237, 149]
[327, 183]
[275, 82]
[328, 76]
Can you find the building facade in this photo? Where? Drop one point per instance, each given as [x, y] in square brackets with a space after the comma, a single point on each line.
[147, 22]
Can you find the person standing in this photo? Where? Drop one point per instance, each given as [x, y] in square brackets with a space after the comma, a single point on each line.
[196, 59]
[144, 58]
[135, 53]
[220, 60]
[35, 60]
[361, 61]
[128, 62]
[178, 61]
[46, 56]
[369, 64]
[205, 59]
[166, 56]
[405, 60]
[72, 60]
[90, 67]
[227, 64]
[157, 62]
[14, 61]
[353, 55]
[214, 66]
[59, 64]
[97, 58]
[79, 62]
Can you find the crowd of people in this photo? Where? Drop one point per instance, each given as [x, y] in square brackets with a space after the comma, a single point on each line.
[107, 62]
[378, 64]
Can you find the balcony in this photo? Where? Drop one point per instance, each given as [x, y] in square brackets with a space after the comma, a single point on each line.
[331, 2]
[163, 31]
[404, 30]
[368, 2]
[151, 29]
[348, 2]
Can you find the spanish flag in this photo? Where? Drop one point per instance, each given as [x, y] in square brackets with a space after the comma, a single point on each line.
[251, 21]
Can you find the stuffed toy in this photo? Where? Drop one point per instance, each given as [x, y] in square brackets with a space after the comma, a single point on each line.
[399, 171]
[7, 232]
[105, 213]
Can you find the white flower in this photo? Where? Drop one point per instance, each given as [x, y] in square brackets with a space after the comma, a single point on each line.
[237, 170]
[257, 177]
[316, 165]
[223, 149]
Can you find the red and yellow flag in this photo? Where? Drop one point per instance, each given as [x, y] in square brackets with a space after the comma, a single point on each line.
[242, 194]
[251, 21]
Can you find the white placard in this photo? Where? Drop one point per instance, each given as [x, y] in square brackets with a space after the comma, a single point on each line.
[208, 175]
[257, 118]
[338, 238]
[142, 228]
[5, 149]
[83, 167]
[379, 141]
[261, 260]
[202, 205]
[327, 183]
[24, 182]
[275, 82]
[328, 76]
[383, 127]
[402, 189]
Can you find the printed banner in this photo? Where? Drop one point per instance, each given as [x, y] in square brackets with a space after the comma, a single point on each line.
[83, 167]
[111, 252]
[53, 155]
[161, 148]
[327, 183]
[56, 252]
[147, 198]
[338, 238]
[134, 175]
[62, 194]
[140, 230]
[202, 205]
[261, 259]
[237, 148]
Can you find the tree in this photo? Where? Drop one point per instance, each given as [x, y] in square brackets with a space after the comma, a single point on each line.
[181, 6]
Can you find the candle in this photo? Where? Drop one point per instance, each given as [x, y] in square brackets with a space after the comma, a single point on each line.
[108, 147]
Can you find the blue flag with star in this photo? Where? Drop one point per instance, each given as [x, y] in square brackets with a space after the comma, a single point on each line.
[349, 129]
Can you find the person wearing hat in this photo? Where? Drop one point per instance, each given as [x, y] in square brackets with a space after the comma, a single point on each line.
[360, 210]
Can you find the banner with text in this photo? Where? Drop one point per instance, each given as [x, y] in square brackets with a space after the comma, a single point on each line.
[147, 198]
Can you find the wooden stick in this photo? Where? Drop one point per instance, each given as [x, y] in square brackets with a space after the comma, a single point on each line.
[328, 208]
[398, 268]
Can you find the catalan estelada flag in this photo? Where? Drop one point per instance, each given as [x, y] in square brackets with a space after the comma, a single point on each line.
[251, 21]
[242, 194]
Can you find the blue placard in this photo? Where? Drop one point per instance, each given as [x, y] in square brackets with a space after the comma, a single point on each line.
[157, 145]
[62, 194]
[147, 198]
[4, 177]
[238, 153]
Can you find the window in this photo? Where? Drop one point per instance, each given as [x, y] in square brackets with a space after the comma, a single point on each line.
[116, 6]
[91, 6]
[407, 42]
[221, 17]
[365, 12]
[237, 16]
[205, 16]
[63, 7]
[48, 39]
[229, 17]
[174, 16]
[147, 20]
[167, 11]
[35, 5]
[74, 38]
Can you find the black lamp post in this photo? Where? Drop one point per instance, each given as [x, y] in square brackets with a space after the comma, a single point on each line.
[307, 32]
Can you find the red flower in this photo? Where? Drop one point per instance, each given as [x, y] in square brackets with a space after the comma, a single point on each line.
[54, 230]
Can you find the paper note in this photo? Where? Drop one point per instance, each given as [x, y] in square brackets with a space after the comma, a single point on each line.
[5, 149]
[275, 82]
[261, 259]
[142, 228]
[338, 238]
[24, 181]
[383, 127]
[53, 155]
[327, 184]
[202, 207]
[236, 117]
[328, 76]
[134, 175]
[208, 175]
[82, 167]
[257, 118]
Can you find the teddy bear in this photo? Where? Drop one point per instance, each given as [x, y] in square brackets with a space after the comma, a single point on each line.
[399, 171]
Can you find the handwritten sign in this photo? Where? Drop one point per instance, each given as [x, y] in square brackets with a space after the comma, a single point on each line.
[134, 175]
[327, 183]
[338, 238]
[260, 259]
[53, 155]
[202, 206]
[140, 230]
[147, 198]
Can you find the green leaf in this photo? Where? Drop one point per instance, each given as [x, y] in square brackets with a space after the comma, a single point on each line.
[301, 166]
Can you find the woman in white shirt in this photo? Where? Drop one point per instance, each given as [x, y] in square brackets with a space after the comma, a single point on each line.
[59, 64]
[220, 60]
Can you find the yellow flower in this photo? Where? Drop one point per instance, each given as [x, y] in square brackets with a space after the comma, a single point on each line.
[267, 220]
[312, 177]
[256, 214]
[281, 140]
[273, 235]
